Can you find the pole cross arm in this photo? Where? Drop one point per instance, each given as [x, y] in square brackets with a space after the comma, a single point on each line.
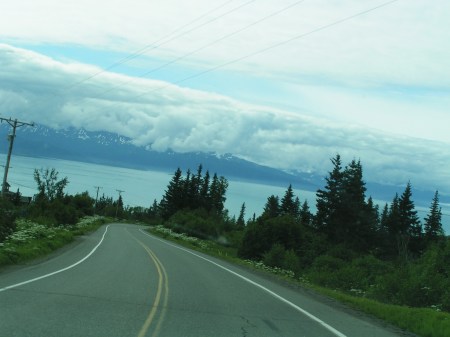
[14, 124]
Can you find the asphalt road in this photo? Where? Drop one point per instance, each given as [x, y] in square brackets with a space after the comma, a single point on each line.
[120, 281]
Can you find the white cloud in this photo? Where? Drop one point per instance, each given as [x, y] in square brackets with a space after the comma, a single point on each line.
[403, 43]
[33, 87]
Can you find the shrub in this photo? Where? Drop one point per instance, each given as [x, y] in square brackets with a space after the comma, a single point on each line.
[275, 256]
[7, 218]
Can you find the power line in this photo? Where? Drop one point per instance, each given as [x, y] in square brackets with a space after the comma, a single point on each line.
[14, 124]
[156, 44]
[273, 46]
[226, 36]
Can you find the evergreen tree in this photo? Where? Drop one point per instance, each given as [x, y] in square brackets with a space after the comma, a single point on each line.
[204, 191]
[357, 219]
[433, 221]
[272, 207]
[217, 192]
[240, 223]
[373, 215]
[288, 205]
[393, 219]
[186, 192]
[409, 221]
[306, 216]
[383, 228]
[328, 201]
[297, 208]
[172, 200]
[404, 224]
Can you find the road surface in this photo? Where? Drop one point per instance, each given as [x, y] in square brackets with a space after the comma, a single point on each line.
[121, 281]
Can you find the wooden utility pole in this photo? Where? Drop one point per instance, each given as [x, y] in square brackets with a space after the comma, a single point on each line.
[96, 198]
[117, 206]
[15, 124]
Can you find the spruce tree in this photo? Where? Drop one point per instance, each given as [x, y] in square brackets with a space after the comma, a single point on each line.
[383, 228]
[433, 221]
[204, 191]
[328, 201]
[357, 219]
[409, 221]
[172, 200]
[272, 207]
[306, 216]
[240, 223]
[409, 229]
[288, 205]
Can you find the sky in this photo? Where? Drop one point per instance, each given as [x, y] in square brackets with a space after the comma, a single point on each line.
[287, 84]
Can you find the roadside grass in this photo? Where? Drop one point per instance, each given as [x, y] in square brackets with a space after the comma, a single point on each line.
[32, 240]
[209, 247]
[423, 322]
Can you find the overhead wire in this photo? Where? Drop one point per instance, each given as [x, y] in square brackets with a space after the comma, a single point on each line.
[195, 51]
[167, 38]
[273, 46]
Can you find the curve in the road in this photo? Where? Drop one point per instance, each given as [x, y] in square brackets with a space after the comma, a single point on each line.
[162, 291]
[270, 292]
[59, 270]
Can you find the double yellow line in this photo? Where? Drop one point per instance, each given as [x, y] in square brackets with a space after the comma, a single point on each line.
[162, 294]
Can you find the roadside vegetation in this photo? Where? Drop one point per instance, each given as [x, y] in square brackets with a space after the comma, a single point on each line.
[31, 229]
[384, 261]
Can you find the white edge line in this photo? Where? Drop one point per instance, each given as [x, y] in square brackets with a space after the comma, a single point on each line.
[282, 299]
[57, 271]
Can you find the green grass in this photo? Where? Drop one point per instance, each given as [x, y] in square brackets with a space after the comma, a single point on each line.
[421, 321]
[32, 240]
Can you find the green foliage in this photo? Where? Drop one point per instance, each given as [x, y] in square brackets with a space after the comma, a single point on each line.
[423, 322]
[198, 223]
[342, 211]
[272, 207]
[359, 275]
[278, 256]
[31, 239]
[259, 237]
[194, 192]
[240, 223]
[289, 204]
[49, 186]
[7, 219]
[433, 222]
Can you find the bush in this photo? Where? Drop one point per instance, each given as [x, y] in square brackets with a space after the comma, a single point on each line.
[358, 276]
[275, 256]
[196, 223]
[7, 219]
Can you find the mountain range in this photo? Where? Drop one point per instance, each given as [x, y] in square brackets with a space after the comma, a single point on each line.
[110, 149]
[116, 150]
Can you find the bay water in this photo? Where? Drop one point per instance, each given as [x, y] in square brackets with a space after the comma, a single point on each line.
[142, 187]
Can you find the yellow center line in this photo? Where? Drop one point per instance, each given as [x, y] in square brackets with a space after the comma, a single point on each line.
[166, 299]
[162, 278]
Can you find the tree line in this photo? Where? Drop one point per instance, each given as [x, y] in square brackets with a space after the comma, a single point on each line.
[347, 243]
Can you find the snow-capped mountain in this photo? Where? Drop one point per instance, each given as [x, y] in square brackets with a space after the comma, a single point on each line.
[115, 150]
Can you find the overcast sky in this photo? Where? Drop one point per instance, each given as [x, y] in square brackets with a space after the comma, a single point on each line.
[283, 83]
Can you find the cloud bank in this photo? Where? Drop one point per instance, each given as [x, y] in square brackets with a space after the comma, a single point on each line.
[160, 116]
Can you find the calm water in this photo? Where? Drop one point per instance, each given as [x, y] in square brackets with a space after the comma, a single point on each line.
[142, 187]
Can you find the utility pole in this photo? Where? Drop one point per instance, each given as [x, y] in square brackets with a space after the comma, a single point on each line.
[117, 206]
[15, 124]
[96, 198]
